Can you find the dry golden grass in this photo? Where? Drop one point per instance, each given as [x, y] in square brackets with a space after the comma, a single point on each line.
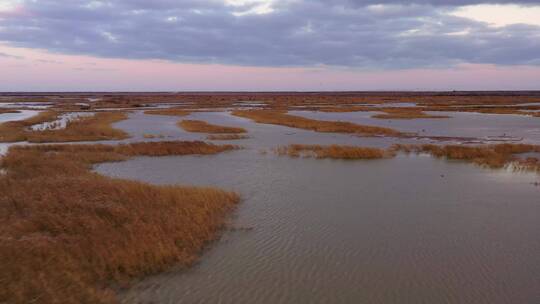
[226, 136]
[200, 126]
[13, 131]
[168, 112]
[6, 111]
[388, 113]
[287, 100]
[151, 136]
[284, 119]
[68, 234]
[333, 151]
[480, 109]
[405, 113]
[92, 128]
[492, 156]
[419, 112]
[97, 127]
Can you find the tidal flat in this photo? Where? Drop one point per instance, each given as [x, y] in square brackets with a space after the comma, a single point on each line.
[272, 209]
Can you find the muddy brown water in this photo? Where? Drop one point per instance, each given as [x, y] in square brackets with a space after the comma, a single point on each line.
[412, 229]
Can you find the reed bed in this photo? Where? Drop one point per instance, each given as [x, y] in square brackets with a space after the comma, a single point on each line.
[168, 112]
[284, 119]
[97, 127]
[333, 152]
[69, 235]
[92, 128]
[419, 111]
[200, 126]
[286, 100]
[226, 137]
[388, 113]
[491, 156]
[152, 136]
[406, 113]
[8, 111]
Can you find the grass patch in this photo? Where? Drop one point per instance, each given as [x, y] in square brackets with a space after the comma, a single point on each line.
[226, 136]
[13, 131]
[200, 126]
[97, 127]
[151, 136]
[419, 111]
[333, 151]
[491, 156]
[69, 234]
[405, 113]
[168, 112]
[284, 119]
[8, 111]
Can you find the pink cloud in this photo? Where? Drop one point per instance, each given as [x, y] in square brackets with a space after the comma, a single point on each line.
[43, 71]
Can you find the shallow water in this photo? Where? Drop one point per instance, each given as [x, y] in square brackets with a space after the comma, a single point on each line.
[261, 136]
[460, 124]
[323, 231]
[21, 115]
[411, 229]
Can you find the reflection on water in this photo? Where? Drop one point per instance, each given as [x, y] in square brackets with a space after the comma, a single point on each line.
[354, 232]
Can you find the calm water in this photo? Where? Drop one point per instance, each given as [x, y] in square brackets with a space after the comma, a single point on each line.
[406, 230]
[21, 115]
[460, 124]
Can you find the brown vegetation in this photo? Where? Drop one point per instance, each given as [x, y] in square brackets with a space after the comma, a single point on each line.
[68, 234]
[92, 128]
[168, 112]
[492, 156]
[282, 100]
[333, 151]
[151, 136]
[405, 113]
[226, 136]
[200, 126]
[7, 111]
[419, 111]
[284, 119]
[13, 131]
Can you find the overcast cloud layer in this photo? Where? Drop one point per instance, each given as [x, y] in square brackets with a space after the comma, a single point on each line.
[367, 34]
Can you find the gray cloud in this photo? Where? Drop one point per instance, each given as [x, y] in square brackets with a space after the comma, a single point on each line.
[297, 33]
[432, 2]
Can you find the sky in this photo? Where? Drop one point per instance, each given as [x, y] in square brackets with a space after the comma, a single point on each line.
[269, 45]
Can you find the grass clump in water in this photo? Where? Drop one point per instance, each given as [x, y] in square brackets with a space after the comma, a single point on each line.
[491, 156]
[333, 151]
[284, 119]
[200, 126]
[405, 113]
[168, 112]
[69, 234]
[226, 137]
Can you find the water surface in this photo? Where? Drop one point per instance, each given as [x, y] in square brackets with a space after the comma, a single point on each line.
[404, 230]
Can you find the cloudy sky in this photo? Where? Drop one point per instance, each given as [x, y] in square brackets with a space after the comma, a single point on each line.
[169, 45]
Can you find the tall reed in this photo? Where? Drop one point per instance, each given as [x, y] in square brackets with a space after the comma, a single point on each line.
[68, 235]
